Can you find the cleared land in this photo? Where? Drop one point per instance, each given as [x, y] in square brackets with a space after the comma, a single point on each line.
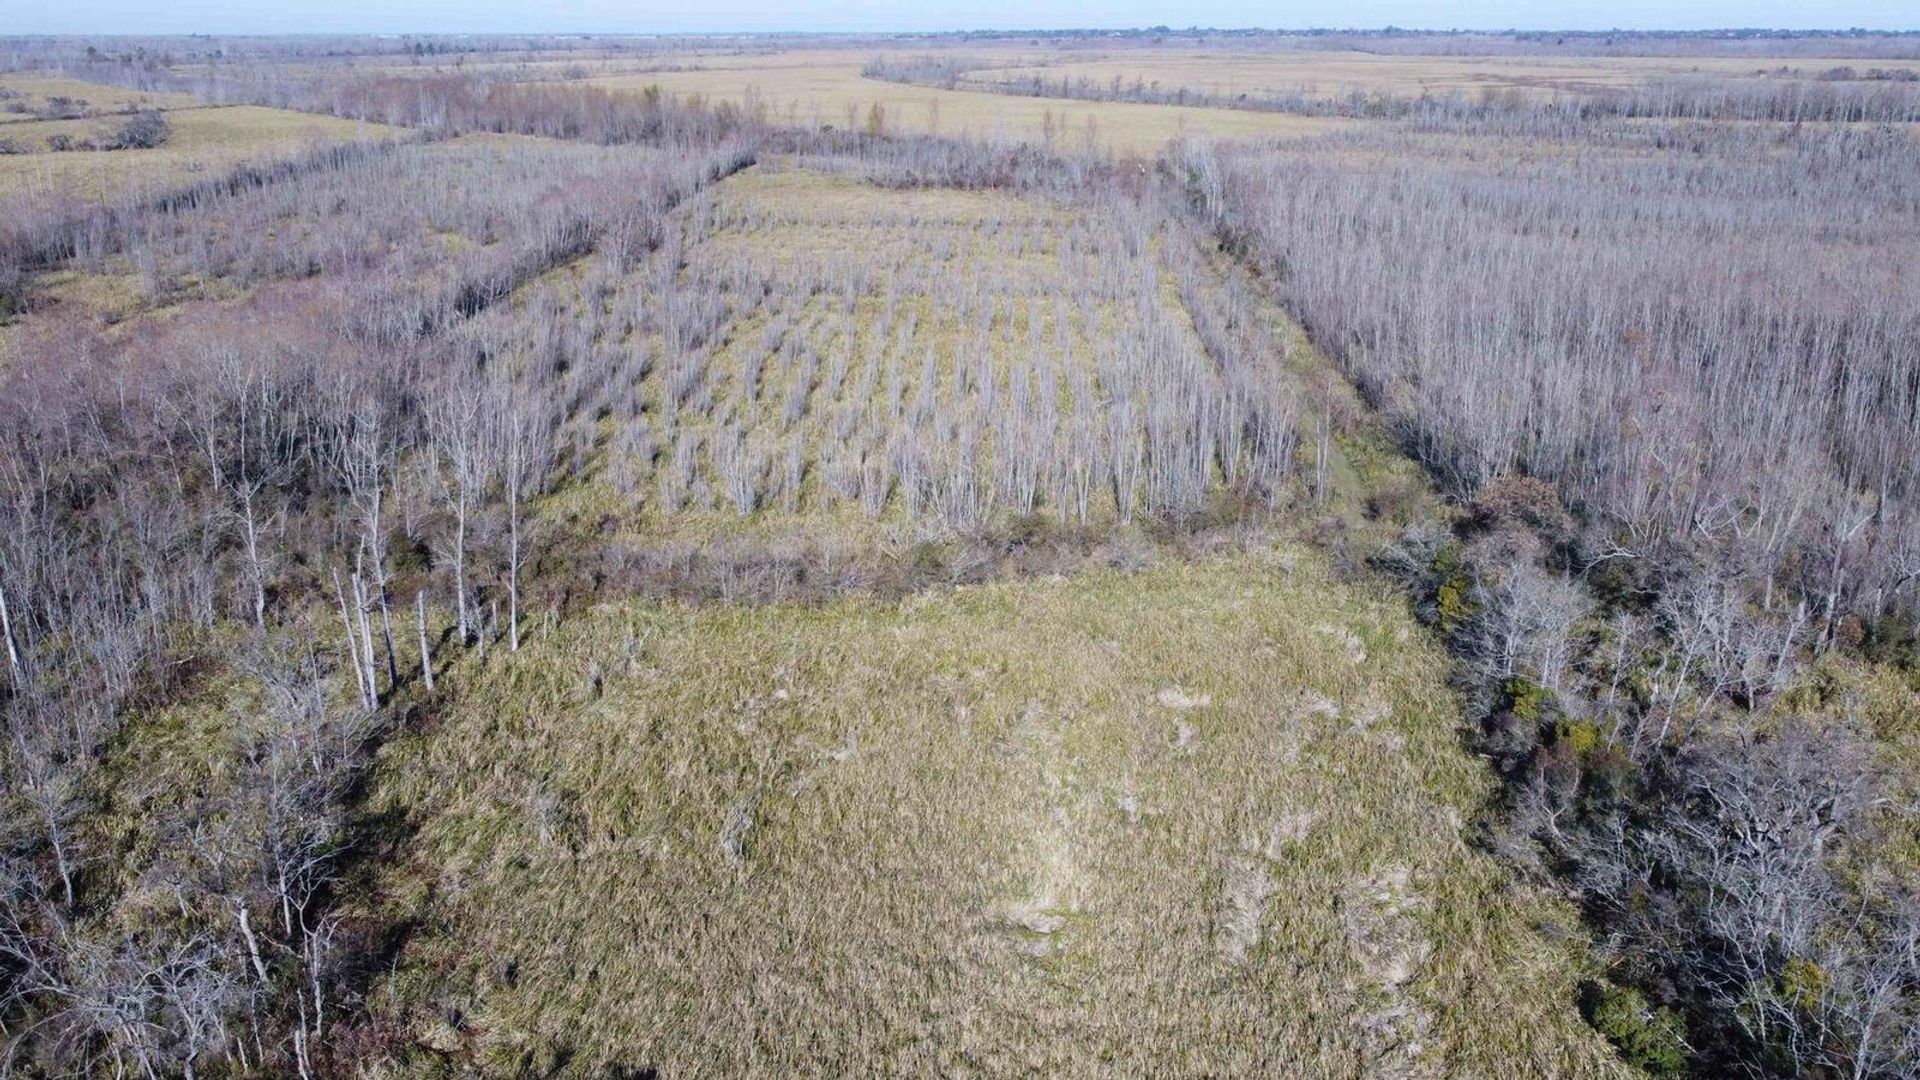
[26, 97]
[813, 90]
[203, 143]
[1201, 820]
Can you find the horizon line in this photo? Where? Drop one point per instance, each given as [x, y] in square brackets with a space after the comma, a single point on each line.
[1390, 28]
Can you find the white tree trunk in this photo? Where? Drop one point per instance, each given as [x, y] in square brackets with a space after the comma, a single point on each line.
[353, 644]
[460, 570]
[13, 651]
[426, 651]
[513, 569]
[366, 640]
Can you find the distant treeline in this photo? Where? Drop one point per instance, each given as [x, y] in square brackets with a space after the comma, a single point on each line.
[1836, 94]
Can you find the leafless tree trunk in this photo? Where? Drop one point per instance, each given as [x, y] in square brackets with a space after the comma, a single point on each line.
[361, 675]
[426, 649]
[14, 664]
[457, 433]
[527, 443]
[360, 605]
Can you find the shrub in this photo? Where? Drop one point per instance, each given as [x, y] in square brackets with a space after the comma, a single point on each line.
[1523, 500]
[930, 559]
[1653, 1039]
[1578, 736]
[142, 131]
[1804, 982]
[1528, 700]
[1455, 594]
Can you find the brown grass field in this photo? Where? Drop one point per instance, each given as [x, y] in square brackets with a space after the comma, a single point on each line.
[826, 88]
[1334, 74]
[204, 143]
[32, 92]
[1204, 819]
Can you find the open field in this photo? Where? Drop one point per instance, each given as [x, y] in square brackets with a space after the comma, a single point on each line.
[1201, 820]
[25, 97]
[203, 144]
[822, 89]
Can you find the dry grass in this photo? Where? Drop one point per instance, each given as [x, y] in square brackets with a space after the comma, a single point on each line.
[34, 91]
[64, 302]
[812, 87]
[1336, 74]
[827, 89]
[203, 144]
[1201, 820]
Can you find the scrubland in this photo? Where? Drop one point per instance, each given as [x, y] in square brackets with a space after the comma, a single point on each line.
[622, 558]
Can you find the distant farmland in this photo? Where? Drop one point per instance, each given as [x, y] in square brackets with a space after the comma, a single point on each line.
[828, 90]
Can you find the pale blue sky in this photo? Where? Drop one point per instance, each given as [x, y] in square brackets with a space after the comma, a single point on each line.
[640, 16]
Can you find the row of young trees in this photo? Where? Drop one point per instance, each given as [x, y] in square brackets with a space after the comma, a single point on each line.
[995, 363]
[41, 227]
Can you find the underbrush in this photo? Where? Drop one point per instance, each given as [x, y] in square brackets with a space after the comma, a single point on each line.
[1736, 825]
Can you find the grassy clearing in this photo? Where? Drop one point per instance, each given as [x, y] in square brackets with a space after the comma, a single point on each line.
[1202, 820]
[24, 97]
[203, 144]
[832, 92]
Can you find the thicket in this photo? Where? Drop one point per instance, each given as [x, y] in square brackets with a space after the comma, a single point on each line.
[212, 526]
[1675, 376]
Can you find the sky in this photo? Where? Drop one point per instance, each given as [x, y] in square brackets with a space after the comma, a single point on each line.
[684, 16]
